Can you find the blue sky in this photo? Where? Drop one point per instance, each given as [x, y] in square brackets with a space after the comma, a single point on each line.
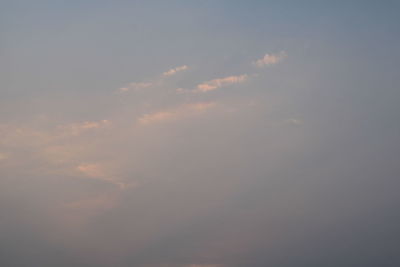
[199, 133]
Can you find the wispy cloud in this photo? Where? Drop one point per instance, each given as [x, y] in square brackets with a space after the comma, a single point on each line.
[174, 71]
[79, 128]
[93, 170]
[157, 116]
[270, 59]
[175, 113]
[100, 172]
[136, 86]
[221, 82]
[21, 135]
[154, 82]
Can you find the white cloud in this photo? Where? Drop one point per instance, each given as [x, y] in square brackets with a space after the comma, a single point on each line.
[221, 82]
[270, 59]
[174, 71]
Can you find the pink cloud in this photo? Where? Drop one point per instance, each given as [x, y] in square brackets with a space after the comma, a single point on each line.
[176, 113]
[175, 70]
[136, 86]
[221, 82]
[270, 59]
[81, 127]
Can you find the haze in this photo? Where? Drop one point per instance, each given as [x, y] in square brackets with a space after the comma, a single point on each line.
[199, 133]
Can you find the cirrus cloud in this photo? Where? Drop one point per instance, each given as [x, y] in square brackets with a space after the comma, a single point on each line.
[154, 82]
[174, 71]
[221, 82]
[175, 113]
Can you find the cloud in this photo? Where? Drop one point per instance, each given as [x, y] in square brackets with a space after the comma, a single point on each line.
[31, 135]
[91, 170]
[180, 90]
[174, 71]
[221, 82]
[270, 59]
[21, 135]
[154, 82]
[100, 172]
[175, 113]
[76, 129]
[157, 116]
[136, 86]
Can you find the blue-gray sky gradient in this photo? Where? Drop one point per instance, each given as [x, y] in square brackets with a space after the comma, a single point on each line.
[199, 133]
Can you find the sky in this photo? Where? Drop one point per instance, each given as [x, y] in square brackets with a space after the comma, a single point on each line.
[199, 133]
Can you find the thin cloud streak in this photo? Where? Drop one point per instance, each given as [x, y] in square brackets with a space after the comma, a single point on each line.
[136, 86]
[152, 83]
[100, 172]
[172, 114]
[221, 82]
[79, 128]
[174, 71]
